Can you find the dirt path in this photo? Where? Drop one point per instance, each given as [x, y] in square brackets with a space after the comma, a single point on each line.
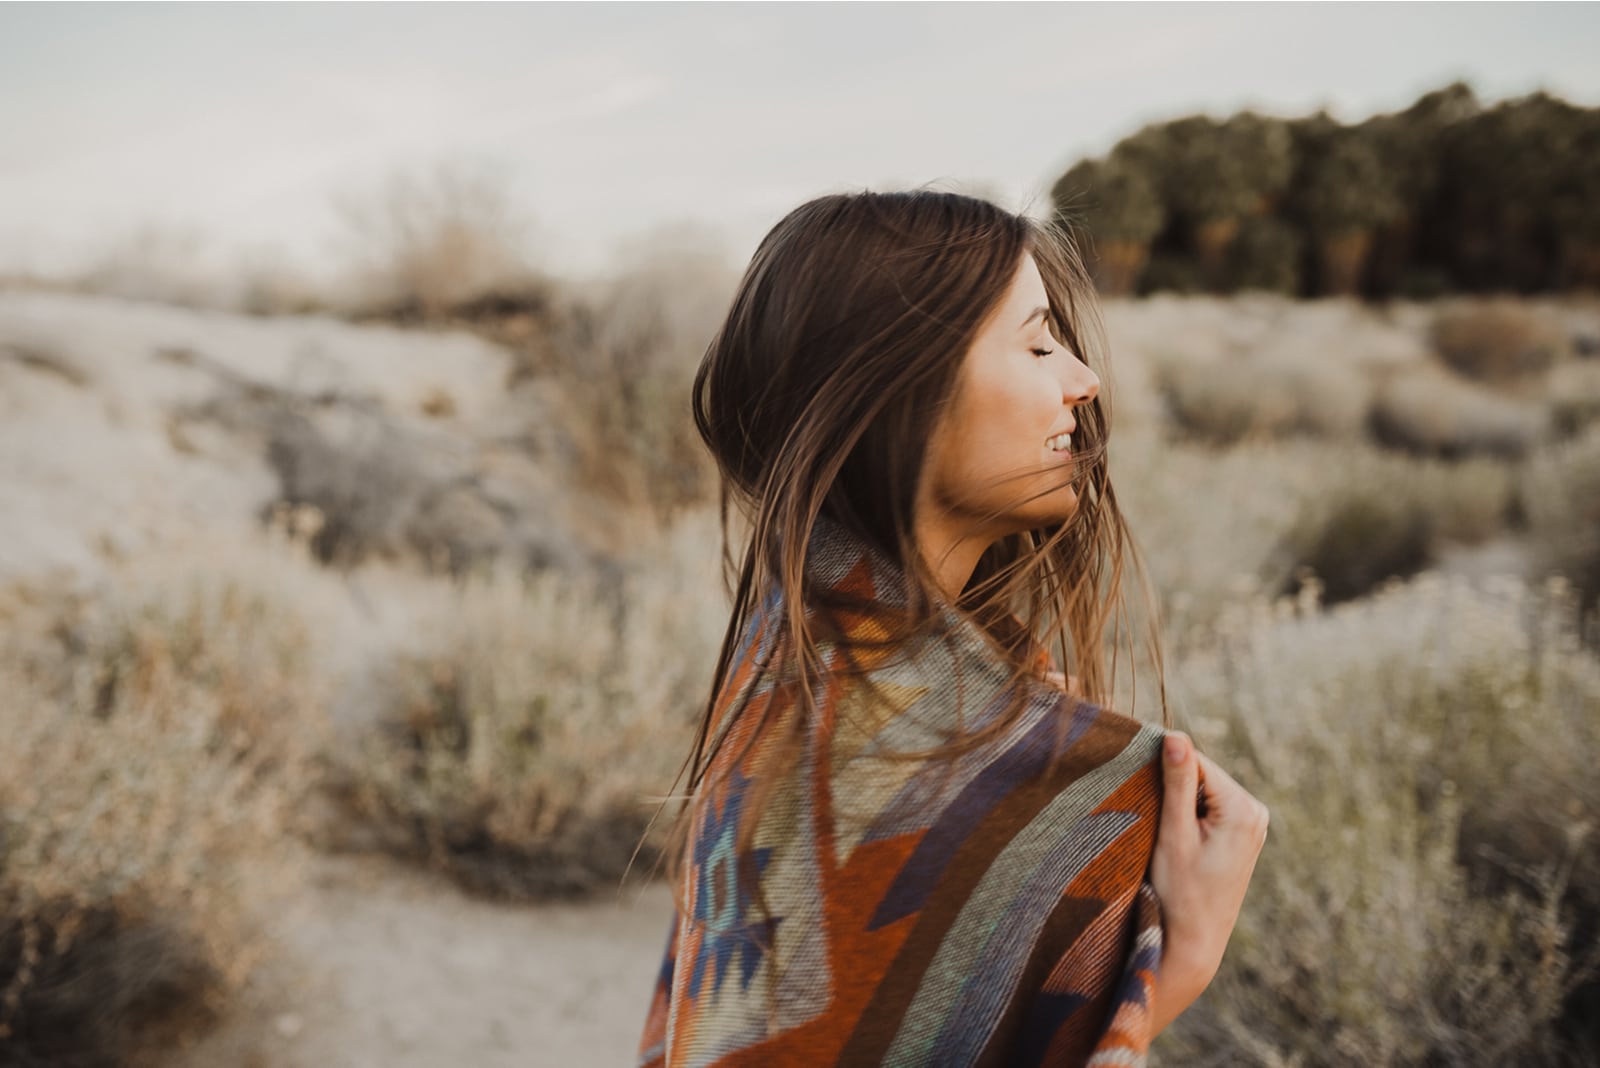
[403, 971]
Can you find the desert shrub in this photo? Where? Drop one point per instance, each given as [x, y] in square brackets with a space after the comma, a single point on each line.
[1426, 755]
[1560, 502]
[1217, 525]
[427, 242]
[1378, 516]
[1430, 412]
[171, 264]
[157, 744]
[1573, 389]
[1465, 501]
[1224, 402]
[1220, 402]
[623, 352]
[1362, 536]
[1495, 341]
[519, 756]
[1202, 554]
[368, 485]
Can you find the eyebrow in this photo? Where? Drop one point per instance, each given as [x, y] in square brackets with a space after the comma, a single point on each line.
[1040, 311]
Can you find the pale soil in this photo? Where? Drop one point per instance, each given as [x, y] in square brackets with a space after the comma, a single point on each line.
[395, 968]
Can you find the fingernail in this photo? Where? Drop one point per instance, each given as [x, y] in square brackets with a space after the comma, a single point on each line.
[1175, 748]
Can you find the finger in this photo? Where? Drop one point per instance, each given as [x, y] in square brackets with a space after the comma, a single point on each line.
[1180, 774]
[1215, 778]
[1228, 801]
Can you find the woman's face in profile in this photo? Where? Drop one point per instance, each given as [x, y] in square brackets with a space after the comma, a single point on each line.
[1002, 439]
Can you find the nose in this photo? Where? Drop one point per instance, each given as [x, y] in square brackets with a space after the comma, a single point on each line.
[1079, 385]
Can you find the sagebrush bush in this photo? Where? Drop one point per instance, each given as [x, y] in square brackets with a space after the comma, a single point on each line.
[1376, 516]
[1224, 402]
[1214, 525]
[520, 755]
[624, 352]
[613, 359]
[1573, 391]
[1423, 892]
[157, 745]
[1431, 412]
[426, 243]
[1495, 340]
[1560, 502]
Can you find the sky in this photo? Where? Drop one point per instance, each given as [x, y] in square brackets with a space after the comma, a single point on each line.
[244, 126]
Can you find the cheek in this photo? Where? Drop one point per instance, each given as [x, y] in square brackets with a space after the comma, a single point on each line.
[1002, 428]
[1021, 410]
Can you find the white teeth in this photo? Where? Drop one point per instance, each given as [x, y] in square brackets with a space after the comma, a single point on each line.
[1060, 441]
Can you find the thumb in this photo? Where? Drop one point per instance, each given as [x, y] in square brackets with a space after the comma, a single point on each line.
[1180, 775]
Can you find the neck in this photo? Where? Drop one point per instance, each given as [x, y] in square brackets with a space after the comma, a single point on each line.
[951, 553]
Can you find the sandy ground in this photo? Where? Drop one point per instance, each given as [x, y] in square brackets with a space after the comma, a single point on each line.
[396, 968]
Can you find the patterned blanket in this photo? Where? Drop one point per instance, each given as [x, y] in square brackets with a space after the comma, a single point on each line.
[990, 908]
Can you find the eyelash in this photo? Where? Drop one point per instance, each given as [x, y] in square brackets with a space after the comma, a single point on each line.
[1043, 352]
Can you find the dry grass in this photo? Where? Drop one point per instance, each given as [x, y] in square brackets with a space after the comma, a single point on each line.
[1573, 394]
[1560, 495]
[1426, 751]
[615, 354]
[520, 753]
[428, 242]
[1375, 515]
[1429, 411]
[157, 744]
[1228, 401]
[1425, 896]
[623, 352]
[1215, 525]
[1496, 341]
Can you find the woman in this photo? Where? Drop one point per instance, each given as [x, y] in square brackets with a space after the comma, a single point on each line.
[910, 838]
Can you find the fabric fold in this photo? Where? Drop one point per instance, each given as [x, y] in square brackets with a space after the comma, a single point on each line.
[983, 909]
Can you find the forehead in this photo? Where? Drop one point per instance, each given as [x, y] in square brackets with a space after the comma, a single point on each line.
[1025, 293]
[1027, 287]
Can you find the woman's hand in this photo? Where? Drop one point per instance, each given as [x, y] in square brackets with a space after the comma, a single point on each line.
[1200, 870]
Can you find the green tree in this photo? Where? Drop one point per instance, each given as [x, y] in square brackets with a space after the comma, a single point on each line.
[1343, 192]
[1505, 172]
[1574, 203]
[1120, 209]
[1266, 255]
[1410, 145]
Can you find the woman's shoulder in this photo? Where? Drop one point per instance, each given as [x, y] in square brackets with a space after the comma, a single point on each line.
[1091, 735]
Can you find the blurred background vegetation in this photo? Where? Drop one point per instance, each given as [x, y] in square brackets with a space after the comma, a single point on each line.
[1450, 195]
[430, 572]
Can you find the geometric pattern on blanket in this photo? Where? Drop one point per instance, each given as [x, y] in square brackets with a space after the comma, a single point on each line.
[984, 909]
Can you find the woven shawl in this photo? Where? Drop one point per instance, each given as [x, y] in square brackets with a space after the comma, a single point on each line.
[984, 909]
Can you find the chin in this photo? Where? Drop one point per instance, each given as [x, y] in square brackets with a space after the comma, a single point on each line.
[1057, 508]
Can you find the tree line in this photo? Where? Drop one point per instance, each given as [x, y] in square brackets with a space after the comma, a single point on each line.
[1448, 195]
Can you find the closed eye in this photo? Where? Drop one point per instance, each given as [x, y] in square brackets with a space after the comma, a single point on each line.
[1043, 352]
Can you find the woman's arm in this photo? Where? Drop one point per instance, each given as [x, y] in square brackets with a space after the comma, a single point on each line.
[1200, 870]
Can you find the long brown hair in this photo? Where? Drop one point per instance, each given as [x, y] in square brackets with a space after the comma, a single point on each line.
[841, 348]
